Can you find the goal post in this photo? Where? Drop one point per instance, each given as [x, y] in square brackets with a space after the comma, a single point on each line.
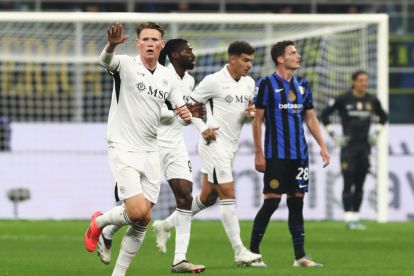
[50, 73]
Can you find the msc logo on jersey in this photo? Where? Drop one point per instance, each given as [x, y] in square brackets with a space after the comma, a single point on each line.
[242, 99]
[157, 93]
[228, 98]
[237, 99]
[141, 87]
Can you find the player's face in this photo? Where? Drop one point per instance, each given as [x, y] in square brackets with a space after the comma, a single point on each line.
[291, 59]
[186, 57]
[150, 43]
[360, 84]
[242, 64]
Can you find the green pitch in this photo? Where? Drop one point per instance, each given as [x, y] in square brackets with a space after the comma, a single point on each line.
[56, 248]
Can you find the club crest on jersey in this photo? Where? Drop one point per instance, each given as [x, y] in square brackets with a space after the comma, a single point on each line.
[165, 82]
[228, 98]
[141, 87]
[274, 184]
[122, 189]
[292, 96]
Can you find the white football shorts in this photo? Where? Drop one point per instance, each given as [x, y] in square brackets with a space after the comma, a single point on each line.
[217, 162]
[136, 173]
[175, 163]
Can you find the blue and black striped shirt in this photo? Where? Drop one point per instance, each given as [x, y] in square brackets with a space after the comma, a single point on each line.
[284, 104]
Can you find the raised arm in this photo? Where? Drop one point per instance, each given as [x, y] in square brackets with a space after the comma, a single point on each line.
[115, 37]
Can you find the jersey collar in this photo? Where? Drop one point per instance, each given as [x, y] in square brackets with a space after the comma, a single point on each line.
[172, 69]
[227, 73]
[138, 57]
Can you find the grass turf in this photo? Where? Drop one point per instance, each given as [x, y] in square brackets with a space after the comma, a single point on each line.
[56, 248]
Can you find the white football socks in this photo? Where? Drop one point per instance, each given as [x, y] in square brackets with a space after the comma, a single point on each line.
[197, 205]
[169, 223]
[115, 216]
[231, 223]
[110, 230]
[182, 234]
[130, 245]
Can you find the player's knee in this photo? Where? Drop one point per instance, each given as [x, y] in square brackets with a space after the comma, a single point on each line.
[210, 199]
[139, 214]
[358, 193]
[295, 204]
[271, 204]
[184, 201]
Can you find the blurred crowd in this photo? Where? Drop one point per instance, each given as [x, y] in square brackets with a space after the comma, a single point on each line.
[397, 10]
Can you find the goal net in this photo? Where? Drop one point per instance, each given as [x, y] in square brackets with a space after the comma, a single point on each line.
[52, 89]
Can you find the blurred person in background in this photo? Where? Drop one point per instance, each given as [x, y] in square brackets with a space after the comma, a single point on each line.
[356, 111]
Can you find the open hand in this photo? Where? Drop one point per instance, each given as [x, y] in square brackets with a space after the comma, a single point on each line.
[115, 35]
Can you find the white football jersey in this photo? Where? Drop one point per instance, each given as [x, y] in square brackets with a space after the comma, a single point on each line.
[170, 133]
[226, 100]
[137, 98]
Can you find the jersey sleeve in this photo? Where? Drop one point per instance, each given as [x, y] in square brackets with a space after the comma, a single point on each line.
[205, 90]
[379, 111]
[328, 110]
[175, 98]
[111, 62]
[261, 94]
[308, 101]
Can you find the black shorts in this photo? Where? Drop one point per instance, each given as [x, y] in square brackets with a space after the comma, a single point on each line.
[355, 160]
[283, 176]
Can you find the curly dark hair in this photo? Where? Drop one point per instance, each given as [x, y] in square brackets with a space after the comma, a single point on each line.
[172, 46]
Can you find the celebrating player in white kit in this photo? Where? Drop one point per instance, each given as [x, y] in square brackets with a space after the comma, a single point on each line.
[175, 163]
[227, 94]
[141, 87]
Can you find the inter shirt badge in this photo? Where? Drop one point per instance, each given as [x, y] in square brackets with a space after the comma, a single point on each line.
[274, 184]
[292, 96]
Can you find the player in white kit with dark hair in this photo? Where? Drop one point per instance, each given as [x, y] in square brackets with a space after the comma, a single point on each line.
[227, 95]
[141, 87]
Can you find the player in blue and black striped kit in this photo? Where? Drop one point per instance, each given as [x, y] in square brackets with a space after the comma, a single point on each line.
[284, 101]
